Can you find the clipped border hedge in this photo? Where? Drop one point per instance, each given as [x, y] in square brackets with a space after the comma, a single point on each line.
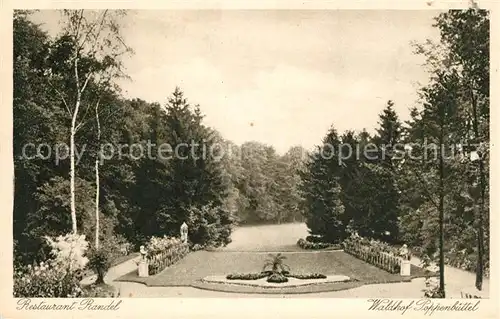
[305, 244]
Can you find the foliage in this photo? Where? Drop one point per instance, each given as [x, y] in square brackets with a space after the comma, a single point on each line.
[277, 278]
[247, 276]
[57, 277]
[163, 252]
[160, 244]
[276, 263]
[100, 291]
[304, 244]
[307, 276]
[50, 279]
[323, 207]
[69, 250]
[209, 226]
[432, 289]
[99, 262]
[374, 252]
[255, 276]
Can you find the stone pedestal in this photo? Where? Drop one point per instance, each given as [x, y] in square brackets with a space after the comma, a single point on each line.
[405, 268]
[143, 269]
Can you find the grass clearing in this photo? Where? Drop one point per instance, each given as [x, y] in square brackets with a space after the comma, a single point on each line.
[194, 267]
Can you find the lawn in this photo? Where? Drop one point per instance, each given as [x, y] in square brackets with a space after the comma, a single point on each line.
[195, 266]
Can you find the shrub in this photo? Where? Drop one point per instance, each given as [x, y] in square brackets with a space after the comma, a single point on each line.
[432, 288]
[157, 245]
[99, 262]
[59, 276]
[314, 239]
[253, 276]
[100, 291]
[210, 225]
[374, 252]
[49, 279]
[277, 278]
[276, 262]
[305, 244]
[69, 250]
[197, 247]
[163, 252]
[308, 276]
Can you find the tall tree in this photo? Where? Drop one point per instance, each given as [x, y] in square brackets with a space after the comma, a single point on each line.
[87, 52]
[465, 33]
[323, 207]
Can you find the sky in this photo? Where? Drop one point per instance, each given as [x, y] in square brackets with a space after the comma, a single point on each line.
[280, 77]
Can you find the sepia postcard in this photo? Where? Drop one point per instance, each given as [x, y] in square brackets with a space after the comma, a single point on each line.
[249, 159]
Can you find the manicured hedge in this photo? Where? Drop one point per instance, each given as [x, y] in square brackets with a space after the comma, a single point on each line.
[254, 276]
[373, 255]
[308, 276]
[305, 244]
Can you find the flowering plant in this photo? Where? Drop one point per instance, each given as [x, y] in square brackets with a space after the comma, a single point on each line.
[58, 277]
[49, 279]
[70, 250]
[163, 252]
[161, 244]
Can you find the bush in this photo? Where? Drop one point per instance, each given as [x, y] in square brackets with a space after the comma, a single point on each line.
[308, 276]
[157, 245]
[432, 288]
[305, 244]
[47, 280]
[210, 225]
[59, 276]
[163, 252]
[314, 239]
[100, 291]
[197, 247]
[69, 250]
[99, 262]
[374, 252]
[253, 276]
[277, 278]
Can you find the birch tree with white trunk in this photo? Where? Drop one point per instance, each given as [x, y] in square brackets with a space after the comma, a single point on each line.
[90, 47]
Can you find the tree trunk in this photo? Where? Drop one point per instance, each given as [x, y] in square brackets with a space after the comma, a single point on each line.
[72, 150]
[482, 181]
[72, 169]
[441, 215]
[97, 177]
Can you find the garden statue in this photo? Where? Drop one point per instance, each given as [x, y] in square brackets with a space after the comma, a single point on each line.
[184, 232]
[143, 263]
[404, 253]
[143, 252]
[405, 261]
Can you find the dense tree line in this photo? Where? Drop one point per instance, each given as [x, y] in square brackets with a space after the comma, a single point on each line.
[124, 184]
[122, 187]
[425, 183]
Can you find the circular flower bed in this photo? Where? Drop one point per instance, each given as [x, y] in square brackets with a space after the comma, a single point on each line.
[278, 273]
